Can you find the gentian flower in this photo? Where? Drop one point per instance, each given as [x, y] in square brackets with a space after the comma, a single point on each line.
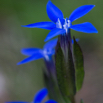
[61, 25]
[40, 95]
[37, 53]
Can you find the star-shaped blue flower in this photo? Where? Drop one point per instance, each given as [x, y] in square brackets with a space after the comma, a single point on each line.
[61, 25]
[37, 53]
[38, 98]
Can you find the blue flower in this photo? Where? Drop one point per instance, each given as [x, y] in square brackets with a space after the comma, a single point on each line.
[40, 95]
[37, 53]
[61, 25]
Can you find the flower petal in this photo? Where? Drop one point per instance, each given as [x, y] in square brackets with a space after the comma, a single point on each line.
[30, 51]
[80, 11]
[51, 44]
[16, 102]
[52, 52]
[54, 33]
[51, 101]
[84, 27]
[44, 25]
[53, 12]
[40, 95]
[31, 58]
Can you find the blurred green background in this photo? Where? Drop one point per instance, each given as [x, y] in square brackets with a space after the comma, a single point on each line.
[23, 81]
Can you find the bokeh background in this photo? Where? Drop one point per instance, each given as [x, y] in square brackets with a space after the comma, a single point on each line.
[23, 81]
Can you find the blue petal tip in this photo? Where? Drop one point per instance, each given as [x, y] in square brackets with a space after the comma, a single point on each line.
[23, 26]
[94, 5]
[18, 63]
[45, 40]
[49, 1]
[96, 31]
[53, 12]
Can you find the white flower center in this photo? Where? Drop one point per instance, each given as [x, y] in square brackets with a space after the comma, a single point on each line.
[58, 24]
[65, 26]
[46, 54]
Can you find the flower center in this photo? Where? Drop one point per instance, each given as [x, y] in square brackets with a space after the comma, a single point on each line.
[58, 24]
[46, 54]
[65, 25]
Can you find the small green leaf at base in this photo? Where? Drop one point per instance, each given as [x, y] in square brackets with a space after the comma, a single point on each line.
[79, 68]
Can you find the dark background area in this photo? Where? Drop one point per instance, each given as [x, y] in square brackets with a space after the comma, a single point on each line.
[23, 81]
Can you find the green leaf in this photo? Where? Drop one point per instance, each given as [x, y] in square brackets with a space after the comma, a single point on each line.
[79, 68]
[65, 72]
[71, 73]
[53, 89]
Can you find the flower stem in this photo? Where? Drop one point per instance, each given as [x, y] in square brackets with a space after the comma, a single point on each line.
[66, 46]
